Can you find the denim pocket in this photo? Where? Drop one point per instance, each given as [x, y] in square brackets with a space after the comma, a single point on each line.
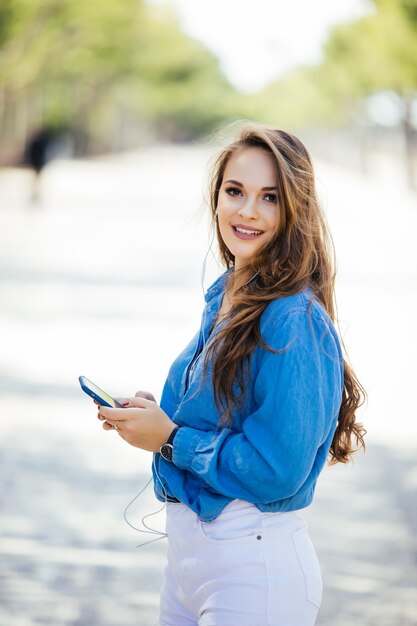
[310, 566]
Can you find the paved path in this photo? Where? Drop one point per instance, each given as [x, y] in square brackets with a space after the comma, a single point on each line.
[103, 280]
[69, 559]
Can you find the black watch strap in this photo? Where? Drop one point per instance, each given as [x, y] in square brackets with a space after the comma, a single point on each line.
[167, 449]
[172, 435]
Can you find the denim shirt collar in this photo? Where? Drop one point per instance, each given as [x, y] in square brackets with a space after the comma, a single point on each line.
[218, 286]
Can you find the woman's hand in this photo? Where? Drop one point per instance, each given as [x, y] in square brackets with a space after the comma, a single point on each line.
[141, 422]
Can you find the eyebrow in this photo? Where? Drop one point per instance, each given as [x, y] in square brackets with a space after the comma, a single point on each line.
[238, 184]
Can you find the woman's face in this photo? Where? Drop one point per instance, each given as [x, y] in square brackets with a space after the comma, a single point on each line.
[247, 210]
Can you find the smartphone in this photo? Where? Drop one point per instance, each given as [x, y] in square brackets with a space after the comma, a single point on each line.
[97, 394]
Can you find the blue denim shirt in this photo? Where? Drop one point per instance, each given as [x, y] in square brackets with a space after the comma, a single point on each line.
[278, 443]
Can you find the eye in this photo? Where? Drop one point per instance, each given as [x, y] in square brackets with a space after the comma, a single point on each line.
[233, 191]
[271, 197]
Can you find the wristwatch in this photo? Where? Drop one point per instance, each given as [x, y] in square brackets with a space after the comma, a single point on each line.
[167, 448]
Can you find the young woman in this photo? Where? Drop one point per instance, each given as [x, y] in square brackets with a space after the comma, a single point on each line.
[254, 405]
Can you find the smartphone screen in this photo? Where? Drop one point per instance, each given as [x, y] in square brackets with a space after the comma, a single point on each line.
[96, 393]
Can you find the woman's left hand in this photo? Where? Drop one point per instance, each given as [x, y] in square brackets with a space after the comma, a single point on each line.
[141, 422]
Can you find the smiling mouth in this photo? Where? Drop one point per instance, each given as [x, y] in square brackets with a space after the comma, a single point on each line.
[246, 233]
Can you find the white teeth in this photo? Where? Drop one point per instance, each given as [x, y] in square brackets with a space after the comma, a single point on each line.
[248, 232]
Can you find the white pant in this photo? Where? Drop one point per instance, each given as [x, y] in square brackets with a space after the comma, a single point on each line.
[246, 568]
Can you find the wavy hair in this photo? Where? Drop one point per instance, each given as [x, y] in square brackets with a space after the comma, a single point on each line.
[299, 255]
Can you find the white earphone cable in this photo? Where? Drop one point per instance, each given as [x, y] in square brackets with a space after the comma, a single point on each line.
[149, 530]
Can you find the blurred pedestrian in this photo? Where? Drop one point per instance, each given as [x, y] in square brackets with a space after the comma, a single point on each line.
[255, 404]
[38, 153]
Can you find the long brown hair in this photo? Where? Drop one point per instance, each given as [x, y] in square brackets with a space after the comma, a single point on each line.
[299, 255]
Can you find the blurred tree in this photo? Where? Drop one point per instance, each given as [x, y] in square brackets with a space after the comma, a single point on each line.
[377, 52]
[58, 57]
[186, 92]
[374, 53]
[111, 69]
[297, 100]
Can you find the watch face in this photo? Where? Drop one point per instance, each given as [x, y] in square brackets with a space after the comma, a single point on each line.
[166, 451]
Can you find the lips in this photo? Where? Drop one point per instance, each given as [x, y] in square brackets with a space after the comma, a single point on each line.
[246, 232]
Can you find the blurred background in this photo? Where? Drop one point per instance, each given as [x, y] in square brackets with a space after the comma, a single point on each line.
[109, 117]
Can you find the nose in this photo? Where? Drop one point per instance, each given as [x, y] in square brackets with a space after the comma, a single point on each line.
[248, 208]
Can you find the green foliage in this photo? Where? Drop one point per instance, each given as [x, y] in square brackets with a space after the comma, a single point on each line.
[299, 99]
[99, 64]
[6, 20]
[91, 62]
[375, 52]
[185, 89]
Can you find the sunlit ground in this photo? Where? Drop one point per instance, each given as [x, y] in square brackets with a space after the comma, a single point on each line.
[102, 278]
